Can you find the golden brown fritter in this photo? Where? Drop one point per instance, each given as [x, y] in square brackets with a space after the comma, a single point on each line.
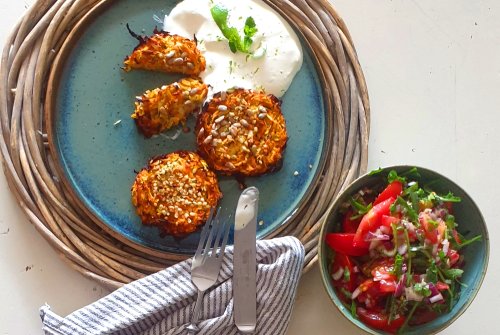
[166, 53]
[242, 132]
[175, 192]
[162, 108]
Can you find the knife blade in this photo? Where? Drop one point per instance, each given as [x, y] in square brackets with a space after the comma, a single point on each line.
[244, 261]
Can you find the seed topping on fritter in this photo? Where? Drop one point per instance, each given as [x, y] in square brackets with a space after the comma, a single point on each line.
[166, 53]
[162, 108]
[175, 192]
[242, 132]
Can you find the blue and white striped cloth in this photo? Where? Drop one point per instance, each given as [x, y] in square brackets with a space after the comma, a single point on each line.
[161, 304]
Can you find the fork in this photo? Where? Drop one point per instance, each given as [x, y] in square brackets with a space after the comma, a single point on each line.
[206, 262]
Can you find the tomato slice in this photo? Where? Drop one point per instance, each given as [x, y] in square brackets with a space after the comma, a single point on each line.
[343, 262]
[393, 190]
[387, 221]
[456, 236]
[379, 320]
[343, 243]
[442, 286]
[371, 221]
[348, 225]
[454, 256]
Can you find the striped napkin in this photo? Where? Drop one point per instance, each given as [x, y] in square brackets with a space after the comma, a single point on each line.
[161, 304]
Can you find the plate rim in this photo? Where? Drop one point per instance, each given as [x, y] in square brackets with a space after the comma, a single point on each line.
[54, 82]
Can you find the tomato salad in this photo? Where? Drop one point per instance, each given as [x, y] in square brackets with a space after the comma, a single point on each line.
[396, 261]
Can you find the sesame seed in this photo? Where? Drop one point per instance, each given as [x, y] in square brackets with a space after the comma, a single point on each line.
[162, 109]
[262, 109]
[201, 132]
[208, 139]
[184, 54]
[178, 61]
[194, 91]
[223, 95]
[219, 119]
[187, 102]
[244, 123]
[176, 85]
[164, 87]
[231, 114]
[230, 165]
[262, 116]
[236, 125]
[223, 134]
[255, 129]
[310, 166]
[229, 138]
[261, 222]
[138, 98]
[214, 132]
[170, 54]
[296, 173]
[222, 108]
[190, 65]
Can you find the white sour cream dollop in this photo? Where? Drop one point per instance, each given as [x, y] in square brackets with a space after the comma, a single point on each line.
[277, 53]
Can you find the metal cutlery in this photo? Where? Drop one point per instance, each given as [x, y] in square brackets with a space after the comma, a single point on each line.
[206, 261]
[244, 261]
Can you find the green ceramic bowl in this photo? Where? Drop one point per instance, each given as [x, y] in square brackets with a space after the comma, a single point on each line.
[471, 223]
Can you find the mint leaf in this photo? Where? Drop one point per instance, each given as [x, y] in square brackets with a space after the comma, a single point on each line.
[236, 43]
[250, 29]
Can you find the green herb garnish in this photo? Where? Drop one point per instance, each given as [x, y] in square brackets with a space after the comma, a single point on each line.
[467, 242]
[236, 42]
[361, 209]
[422, 289]
[393, 176]
[453, 273]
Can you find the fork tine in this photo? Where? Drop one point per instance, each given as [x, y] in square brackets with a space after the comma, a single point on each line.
[226, 235]
[214, 225]
[220, 233]
[204, 233]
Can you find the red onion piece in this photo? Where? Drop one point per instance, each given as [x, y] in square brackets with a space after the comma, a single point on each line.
[402, 249]
[400, 287]
[356, 292]
[436, 298]
[433, 289]
[446, 246]
[376, 236]
[337, 275]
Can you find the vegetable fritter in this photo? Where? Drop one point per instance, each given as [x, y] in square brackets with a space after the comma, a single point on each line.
[242, 132]
[162, 108]
[166, 53]
[175, 192]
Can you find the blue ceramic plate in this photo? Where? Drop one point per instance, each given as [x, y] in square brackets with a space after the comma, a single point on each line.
[98, 158]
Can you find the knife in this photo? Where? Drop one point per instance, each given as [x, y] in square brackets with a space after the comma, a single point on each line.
[244, 261]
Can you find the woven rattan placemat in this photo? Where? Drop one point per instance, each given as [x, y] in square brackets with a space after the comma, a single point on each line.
[26, 64]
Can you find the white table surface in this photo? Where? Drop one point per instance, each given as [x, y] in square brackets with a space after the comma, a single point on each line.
[433, 74]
